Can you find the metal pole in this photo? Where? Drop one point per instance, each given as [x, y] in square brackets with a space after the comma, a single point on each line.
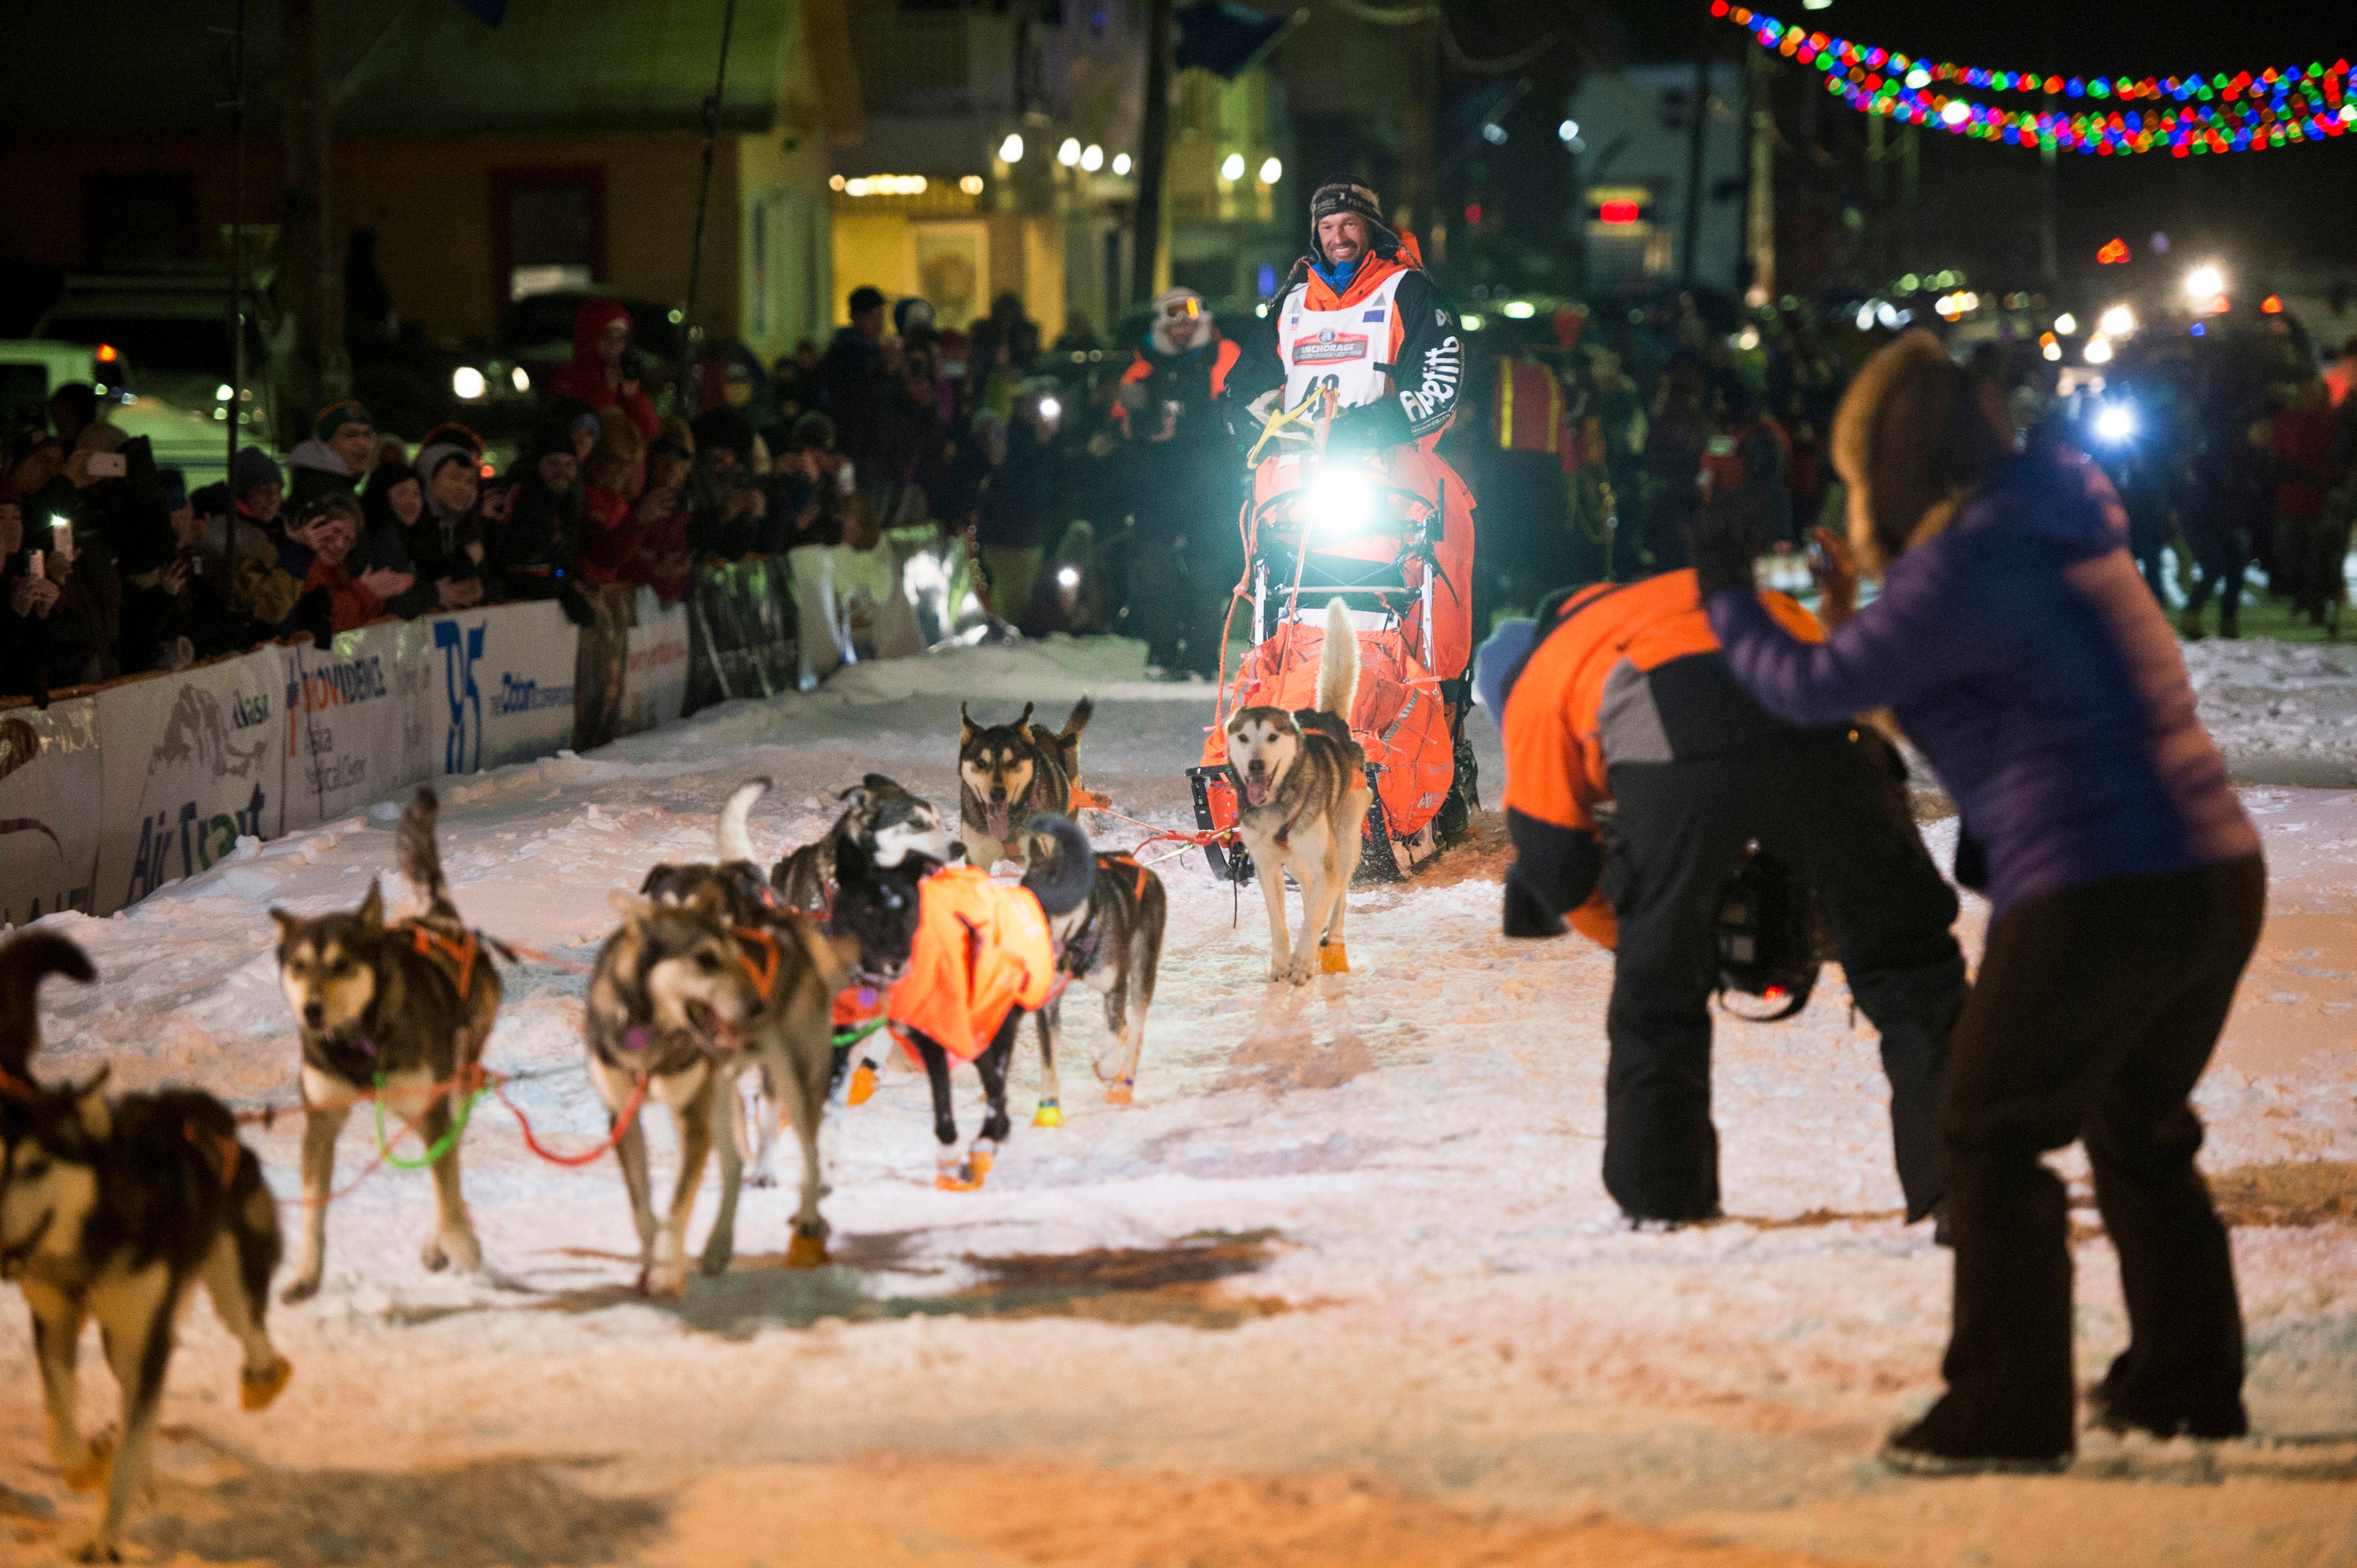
[1761, 220]
[309, 240]
[1698, 114]
[691, 334]
[237, 243]
[1153, 153]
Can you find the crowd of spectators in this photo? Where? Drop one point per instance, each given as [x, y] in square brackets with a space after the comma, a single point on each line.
[114, 566]
[2231, 454]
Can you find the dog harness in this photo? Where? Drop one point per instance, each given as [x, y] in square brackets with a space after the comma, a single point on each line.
[456, 958]
[752, 940]
[225, 1144]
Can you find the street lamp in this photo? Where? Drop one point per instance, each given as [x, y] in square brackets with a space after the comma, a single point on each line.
[1092, 158]
[1069, 153]
[2205, 282]
[1271, 171]
[1232, 168]
[1010, 151]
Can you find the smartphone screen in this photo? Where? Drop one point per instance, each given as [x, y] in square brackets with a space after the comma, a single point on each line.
[62, 536]
[33, 567]
[108, 465]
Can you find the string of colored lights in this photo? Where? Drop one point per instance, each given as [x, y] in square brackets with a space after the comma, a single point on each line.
[2242, 113]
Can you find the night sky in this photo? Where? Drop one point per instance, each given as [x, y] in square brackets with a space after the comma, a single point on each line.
[2292, 204]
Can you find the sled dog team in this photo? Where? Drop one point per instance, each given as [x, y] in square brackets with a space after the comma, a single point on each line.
[721, 983]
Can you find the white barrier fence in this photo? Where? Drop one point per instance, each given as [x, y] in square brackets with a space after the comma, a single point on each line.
[106, 797]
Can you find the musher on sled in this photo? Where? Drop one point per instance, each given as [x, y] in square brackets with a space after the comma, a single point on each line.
[1340, 403]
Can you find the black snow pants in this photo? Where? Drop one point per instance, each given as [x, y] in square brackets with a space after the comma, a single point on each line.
[1830, 806]
[2096, 1010]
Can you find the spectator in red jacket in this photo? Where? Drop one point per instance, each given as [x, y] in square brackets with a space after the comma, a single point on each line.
[606, 368]
[330, 525]
[2300, 438]
[613, 480]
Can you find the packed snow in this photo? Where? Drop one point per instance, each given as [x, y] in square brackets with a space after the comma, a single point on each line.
[1342, 1286]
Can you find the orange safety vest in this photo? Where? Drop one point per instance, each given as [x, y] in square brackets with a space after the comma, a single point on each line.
[1556, 717]
[982, 949]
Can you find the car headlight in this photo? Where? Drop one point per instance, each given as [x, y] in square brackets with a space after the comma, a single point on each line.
[1341, 503]
[468, 384]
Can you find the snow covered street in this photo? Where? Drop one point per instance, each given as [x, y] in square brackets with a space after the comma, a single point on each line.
[1342, 1286]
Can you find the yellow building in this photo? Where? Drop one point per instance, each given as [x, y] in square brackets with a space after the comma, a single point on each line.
[999, 157]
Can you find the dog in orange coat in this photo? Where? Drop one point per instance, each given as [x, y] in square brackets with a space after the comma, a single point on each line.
[984, 955]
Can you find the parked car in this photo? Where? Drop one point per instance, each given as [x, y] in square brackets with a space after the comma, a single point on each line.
[534, 337]
[169, 327]
[184, 438]
[163, 335]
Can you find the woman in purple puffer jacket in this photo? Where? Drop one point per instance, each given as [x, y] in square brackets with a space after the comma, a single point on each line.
[2023, 657]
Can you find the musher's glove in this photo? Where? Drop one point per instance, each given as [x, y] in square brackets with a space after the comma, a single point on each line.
[1369, 427]
[1245, 420]
[1721, 538]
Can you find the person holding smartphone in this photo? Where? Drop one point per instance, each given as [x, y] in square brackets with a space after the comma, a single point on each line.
[723, 489]
[2017, 646]
[69, 603]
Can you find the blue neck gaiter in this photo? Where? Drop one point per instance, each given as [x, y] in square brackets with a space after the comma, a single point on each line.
[1337, 278]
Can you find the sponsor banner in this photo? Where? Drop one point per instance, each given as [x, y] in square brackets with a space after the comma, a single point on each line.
[49, 808]
[654, 667]
[850, 609]
[504, 679]
[193, 762]
[356, 721]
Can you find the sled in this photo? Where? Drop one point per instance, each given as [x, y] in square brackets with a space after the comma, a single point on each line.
[1319, 527]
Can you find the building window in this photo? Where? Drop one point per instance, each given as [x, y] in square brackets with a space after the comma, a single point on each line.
[549, 228]
[138, 218]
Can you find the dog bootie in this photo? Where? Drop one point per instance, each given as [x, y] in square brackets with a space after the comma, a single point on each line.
[965, 1175]
[1332, 959]
[806, 1252]
[255, 1393]
[91, 1474]
[1121, 1092]
[1049, 1114]
[863, 1084]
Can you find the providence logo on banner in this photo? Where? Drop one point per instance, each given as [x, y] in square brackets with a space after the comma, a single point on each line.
[352, 722]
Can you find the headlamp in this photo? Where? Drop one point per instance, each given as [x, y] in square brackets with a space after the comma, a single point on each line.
[1341, 502]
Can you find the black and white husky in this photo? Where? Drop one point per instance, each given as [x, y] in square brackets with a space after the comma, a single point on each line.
[112, 1210]
[1109, 938]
